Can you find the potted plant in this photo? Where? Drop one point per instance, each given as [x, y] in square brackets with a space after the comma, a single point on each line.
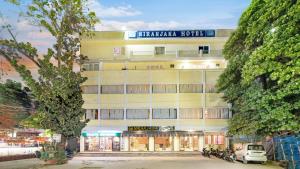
[52, 154]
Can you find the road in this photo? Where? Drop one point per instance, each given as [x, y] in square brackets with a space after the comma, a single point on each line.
[197, 162]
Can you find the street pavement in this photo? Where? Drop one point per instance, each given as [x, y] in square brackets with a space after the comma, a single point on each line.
[79, 162]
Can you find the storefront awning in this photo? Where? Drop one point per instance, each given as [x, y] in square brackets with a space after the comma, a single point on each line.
[161, 134]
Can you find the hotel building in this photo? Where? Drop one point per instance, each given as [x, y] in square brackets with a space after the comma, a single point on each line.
[154, 91]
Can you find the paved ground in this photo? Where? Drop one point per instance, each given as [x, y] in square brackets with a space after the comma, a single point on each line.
[197, 162]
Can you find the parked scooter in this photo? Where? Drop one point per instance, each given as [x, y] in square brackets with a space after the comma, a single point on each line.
[229, 155]
[205, 153]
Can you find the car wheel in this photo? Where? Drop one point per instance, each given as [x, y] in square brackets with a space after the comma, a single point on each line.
[244, 160]
[263, 162]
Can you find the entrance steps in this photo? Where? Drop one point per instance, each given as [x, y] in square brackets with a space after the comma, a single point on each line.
[138, 154]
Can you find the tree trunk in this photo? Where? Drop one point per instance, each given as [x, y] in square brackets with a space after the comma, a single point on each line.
[62, 143]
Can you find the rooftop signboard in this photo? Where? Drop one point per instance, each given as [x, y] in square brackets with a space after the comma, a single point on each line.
[171, 34]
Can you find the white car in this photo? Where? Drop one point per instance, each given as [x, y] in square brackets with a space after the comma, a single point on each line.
[251, 152]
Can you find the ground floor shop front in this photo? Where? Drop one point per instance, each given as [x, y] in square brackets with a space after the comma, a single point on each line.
[151, 141]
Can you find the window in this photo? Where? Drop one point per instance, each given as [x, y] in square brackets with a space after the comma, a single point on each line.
[164, 88]
[130, 89]
[90, 66]
[112, 89]
[164, 113]
[191, 113]
[91, 114]
[89, 89]
[256, 147]
[137, 114]
[111, 114]
[159, 50]
[217, 113]
[204, 49]
[210, 88]
[118, 51]
[214, 139]
[190, 88]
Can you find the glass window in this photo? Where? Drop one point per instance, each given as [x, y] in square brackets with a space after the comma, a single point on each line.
[163, 143]
[159, 50]
[91, 114]
[204, 49]
[214, 139]
[164, 113]
[89, 89]
[191, 113]
[91, 144]
[96, 66]
[85, 67]
[130, 89]
[256, 147]
[112, 89]
[164, 88]
[217, 113]
[210, 88]
[137, 113]
[138, 143]
[90, 66]
[190, 88]
[111, 114]
[104, 114]
[189, 143]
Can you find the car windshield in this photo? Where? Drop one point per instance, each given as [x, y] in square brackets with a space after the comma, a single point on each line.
[256, 147]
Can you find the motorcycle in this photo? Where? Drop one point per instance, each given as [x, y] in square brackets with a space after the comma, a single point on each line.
[206, 153]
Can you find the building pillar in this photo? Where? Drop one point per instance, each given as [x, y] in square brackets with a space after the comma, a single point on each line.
[81, 144]
[125, 145]
[201, 143]
[176, 143]
[226, 142]
[151, 144]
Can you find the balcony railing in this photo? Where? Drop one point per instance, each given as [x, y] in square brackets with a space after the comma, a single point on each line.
[177, 53]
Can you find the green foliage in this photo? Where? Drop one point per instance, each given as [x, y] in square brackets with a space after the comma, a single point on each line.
[57, 89]
[53, 152]
[12, 93]
[15, 104]
[262, 80]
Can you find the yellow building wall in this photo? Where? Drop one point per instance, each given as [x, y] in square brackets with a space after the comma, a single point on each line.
[138, 100]
[109, 77]
[164, 76]
[164, 100]
[190, 77]
[101, 48]
[191, 100]
[108, 101]
[162, 122]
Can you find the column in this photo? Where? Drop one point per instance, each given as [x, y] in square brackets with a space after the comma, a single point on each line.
[176, 143]
[201, 143]
[226, 141]
[81, 144]
[125, 141]
[151, 144]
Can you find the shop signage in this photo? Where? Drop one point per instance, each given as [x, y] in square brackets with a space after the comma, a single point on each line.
[101, 134]
[151, 128]
[174, 34]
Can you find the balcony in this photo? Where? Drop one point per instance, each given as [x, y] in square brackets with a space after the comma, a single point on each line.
[176, 54]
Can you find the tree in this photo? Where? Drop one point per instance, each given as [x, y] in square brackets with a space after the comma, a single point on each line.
[57, 89]
[15, 104]
[262, 79]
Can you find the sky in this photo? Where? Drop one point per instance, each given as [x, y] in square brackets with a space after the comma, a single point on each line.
[132, 15]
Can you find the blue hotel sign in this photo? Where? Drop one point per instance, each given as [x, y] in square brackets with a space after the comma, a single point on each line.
[174, 34]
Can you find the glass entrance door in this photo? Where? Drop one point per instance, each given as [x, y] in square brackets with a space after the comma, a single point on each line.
[105, 143]
[189, 143]
[116, 144]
